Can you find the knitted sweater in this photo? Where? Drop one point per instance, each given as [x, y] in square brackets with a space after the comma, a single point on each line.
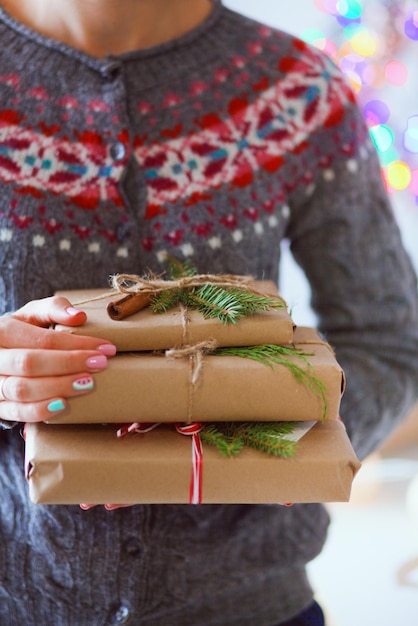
[214, 148]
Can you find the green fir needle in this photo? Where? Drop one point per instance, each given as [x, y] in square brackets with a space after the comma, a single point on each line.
[272, 355]
[231, 437]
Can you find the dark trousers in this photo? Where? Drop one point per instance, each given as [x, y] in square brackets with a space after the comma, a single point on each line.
[312, 616]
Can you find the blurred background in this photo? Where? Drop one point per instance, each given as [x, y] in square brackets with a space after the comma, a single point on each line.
[368, 573]
[375, 43]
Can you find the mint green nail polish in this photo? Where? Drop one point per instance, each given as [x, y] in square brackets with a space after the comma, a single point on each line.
[56, 405]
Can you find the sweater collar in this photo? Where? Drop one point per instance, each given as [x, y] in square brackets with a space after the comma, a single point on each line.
[13, 34]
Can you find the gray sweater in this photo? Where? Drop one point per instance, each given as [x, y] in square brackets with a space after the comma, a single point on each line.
[214, 148]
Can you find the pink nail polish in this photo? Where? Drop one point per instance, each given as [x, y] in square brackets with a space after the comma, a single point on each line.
[71, 310]
[97, 362]
[108, 349]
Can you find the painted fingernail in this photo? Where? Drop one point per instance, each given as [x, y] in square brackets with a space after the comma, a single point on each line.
[83, 384]
[108, 349]
[71, 310]
[56, 405]
[96, 362]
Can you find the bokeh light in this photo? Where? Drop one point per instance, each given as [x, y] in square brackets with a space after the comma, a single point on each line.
[319, 39]
[414, 182]
[375, 44]
[411, 26]
[382, 137]
[398, 175]
[354, 80]
[327, 6]
[376, 112]
[396, 73]
[410, 138]
[350, 9]
[364, 42]
[374, 75]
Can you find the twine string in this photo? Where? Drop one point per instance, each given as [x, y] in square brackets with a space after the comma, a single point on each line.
[195, 353]
[185, 323]
[132, 283]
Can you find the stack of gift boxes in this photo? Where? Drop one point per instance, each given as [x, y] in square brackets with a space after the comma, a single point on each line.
[165, 385]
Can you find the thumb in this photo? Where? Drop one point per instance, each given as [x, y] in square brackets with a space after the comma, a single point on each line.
[53, 310]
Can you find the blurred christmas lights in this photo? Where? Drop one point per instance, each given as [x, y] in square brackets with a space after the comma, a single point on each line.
[374, 42]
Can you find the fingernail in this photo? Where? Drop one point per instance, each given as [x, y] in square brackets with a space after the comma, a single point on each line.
[56, 405]
[108, 349]
[96, 362]
[73, 311]
[83, 384]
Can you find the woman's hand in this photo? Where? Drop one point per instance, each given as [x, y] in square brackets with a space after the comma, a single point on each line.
[39, 367]
[108, 507]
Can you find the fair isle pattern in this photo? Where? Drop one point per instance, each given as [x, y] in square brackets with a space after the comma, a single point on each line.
[224, 148]
[83, 171]
[253, 136]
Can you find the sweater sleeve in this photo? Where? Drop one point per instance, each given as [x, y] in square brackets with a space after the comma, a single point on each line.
[343, 234]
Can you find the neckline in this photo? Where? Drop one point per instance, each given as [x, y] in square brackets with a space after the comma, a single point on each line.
[177, 43]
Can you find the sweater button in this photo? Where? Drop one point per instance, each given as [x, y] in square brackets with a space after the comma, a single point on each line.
[118, 151]
[121, 615]
[109, 72]
[132, 547]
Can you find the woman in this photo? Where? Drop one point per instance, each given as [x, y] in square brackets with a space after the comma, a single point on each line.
[139, 129]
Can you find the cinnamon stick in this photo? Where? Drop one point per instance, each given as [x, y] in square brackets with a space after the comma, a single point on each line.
[128, 305]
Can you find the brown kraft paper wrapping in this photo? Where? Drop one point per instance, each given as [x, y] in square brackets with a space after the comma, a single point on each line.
[144, 387]
[73, 464]
[152, 331]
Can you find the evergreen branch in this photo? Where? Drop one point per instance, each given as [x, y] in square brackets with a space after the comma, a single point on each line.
[227, 304]
[271, 355]
[249, 301]
[268, 437]
[227, 445]
[177, 269]
[271, 440]
[216, 302]
[165, 300]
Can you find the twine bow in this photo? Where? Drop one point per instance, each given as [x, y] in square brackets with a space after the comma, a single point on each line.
[133, 284]
[139, 291]
[195, 353]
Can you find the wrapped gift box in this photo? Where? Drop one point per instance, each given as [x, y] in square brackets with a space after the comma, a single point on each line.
[146, 330]
[70, 464]
[144, 387]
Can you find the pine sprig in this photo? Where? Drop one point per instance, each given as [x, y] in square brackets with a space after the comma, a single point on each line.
[272, 355]
[231, 437]
[271, 439]
[165, 300]
[177, 269]
[225, 442]
[227, 304]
